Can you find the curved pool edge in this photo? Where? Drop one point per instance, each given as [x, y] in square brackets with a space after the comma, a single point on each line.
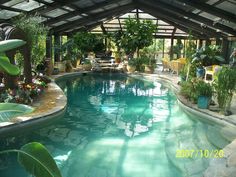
[36, 118]
[50, 105]
[218, 167]
[188, 106]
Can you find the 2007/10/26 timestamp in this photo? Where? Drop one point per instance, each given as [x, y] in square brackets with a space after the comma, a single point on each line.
[199, 153]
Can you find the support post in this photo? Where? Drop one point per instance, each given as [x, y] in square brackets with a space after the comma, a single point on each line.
[218, 41]
[225, 48]
[57, 46]
[49, 47]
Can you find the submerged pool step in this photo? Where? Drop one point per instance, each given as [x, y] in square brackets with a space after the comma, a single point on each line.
[200, 137]
[214, 137]
[184, 138]
[228, 133]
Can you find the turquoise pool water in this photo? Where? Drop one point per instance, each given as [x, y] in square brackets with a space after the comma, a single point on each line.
[117, 126]
[11, 110]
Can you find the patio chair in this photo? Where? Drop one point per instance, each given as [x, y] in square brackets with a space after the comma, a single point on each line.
[177, 65]
[165, 64]
[210, 72]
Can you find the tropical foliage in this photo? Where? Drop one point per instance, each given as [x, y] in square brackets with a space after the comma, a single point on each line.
[88, 42]
[36, 160]
[35, 35]
[208, 55]
[225, 86]
[138, 34]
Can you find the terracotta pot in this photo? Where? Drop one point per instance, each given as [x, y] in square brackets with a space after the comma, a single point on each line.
[49, 67]
[87, 67]
[148, 69]
[61, 66]
[131, 69]
[68, 67]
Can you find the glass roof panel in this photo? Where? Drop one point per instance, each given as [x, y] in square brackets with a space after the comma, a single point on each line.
[212, 1]
[112, 25]
[84, 3]
[68, 8]
[6, 14]
[75, 18]
[163, 28]
[179, 31]
[124, 2]
[145, 15]
[227, 6]
[160, 22]
[131, 15]
[111, 6]
[28, 5]
[96, 10]
[12, 2]
[59, 23]
[55, 13]
[50, 1]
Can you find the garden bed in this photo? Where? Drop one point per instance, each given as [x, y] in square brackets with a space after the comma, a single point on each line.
[48, 105]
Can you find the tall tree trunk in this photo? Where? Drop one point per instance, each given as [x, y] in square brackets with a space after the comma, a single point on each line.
[27, 64]
[10, 81]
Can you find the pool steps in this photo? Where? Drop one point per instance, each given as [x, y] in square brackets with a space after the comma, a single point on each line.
[193, 167]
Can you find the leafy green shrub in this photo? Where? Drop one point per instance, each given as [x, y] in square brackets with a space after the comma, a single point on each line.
[188, 90]
[225, 86]
[203, 89]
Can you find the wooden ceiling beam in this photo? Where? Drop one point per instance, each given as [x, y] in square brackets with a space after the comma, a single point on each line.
[94, 17]
[182, 27]
[200, 19]
[183, 21]
[79, 11]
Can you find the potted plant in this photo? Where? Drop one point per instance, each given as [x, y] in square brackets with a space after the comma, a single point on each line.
[225, 86]
[131, 67]
[68, 64]
[35, 36]
[150, 65]
[183, 74]
[188, 90]
[117, 57]
[87, 66]
[204, 93]
[206, 56]
[176, 50]
[138, 35]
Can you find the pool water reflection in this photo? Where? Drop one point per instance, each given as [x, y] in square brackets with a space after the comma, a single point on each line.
[118, 126]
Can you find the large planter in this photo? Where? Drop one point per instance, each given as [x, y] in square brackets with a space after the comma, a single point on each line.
[87, 67]
[61, 66]
[130, 68]
[148, 69]
[117, 60]
[69, 66]
[49, 67]
[203, 102]
[200, 72]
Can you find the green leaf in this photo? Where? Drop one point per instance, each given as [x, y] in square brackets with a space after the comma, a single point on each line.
[7, 67]
[219, 58]
[35, 158]
[10, 44]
